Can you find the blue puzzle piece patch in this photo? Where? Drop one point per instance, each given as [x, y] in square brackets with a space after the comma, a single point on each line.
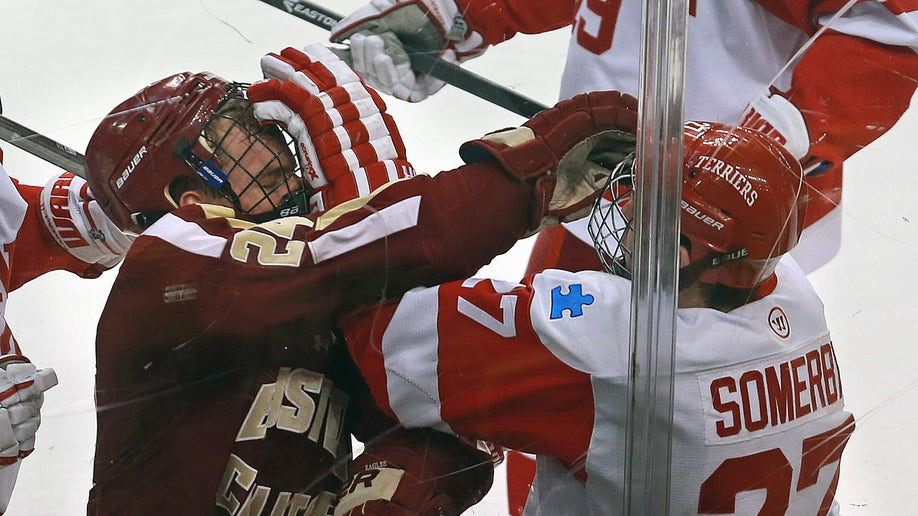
[573, 301]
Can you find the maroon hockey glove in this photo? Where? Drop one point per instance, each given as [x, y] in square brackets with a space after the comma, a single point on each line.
[568, 150]
[415, 472]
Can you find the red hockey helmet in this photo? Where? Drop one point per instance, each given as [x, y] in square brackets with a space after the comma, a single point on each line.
[160, 134]
[742, 205]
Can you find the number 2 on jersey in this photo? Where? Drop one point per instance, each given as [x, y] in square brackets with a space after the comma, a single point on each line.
[770, 470]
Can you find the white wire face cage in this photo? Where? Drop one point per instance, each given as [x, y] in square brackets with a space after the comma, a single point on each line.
[608, 226]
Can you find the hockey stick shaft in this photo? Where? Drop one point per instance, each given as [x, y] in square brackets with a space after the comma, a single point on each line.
[40, 145]
[425, 63]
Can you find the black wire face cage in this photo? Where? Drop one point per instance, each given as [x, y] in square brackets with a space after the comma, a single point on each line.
[608, 226]
[254, 166]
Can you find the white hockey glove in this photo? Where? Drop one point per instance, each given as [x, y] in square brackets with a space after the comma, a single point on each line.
[22, 388]
[778, 118]
[380, 31]
[78, 224]
[569, 150]
[348, 144]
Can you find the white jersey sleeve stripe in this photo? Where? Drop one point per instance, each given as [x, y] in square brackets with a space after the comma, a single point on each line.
[411, 362]
[387, 221]
[875, 22]
[187, 236]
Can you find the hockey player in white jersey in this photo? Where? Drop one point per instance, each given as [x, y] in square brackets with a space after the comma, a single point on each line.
[56, 227]
[759, 423]
[823, 77]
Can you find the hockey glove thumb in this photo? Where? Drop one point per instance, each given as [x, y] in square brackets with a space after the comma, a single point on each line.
[417, 471]
[22, 388]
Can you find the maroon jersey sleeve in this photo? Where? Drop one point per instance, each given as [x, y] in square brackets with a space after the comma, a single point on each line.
[422, 231]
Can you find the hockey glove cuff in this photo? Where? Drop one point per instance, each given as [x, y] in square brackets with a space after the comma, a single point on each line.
[413, 472]
[76, 221]
[778, 118]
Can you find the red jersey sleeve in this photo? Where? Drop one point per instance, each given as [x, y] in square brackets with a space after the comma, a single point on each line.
[858, 76]
[472, 333]
[851, 91]
[853, 83]
[500, 20]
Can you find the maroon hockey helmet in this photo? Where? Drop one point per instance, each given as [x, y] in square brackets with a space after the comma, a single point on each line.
[742, 206]
[158, 135]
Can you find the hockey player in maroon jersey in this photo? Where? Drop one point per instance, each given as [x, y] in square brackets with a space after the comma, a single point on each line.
[56, 227]
[542, 366]
[851, 85]
[220, 385]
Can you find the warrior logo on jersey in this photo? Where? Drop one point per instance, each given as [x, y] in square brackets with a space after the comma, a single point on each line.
[572, 302]
[779, 323]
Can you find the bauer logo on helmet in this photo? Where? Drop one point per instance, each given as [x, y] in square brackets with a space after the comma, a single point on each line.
[130, 168]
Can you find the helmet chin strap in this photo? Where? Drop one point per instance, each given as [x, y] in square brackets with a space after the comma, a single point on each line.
[690, 274]
[145, 219]
[207, 170]
[293, 203]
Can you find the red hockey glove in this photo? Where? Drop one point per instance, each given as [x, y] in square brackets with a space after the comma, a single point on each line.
[569, 150]
[380, 31]
[778, 118]
[22, 388]
[415, 472]
[77, 222]
[348, 144]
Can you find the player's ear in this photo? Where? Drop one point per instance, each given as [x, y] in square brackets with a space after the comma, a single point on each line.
[191, 197]
[683, 257]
